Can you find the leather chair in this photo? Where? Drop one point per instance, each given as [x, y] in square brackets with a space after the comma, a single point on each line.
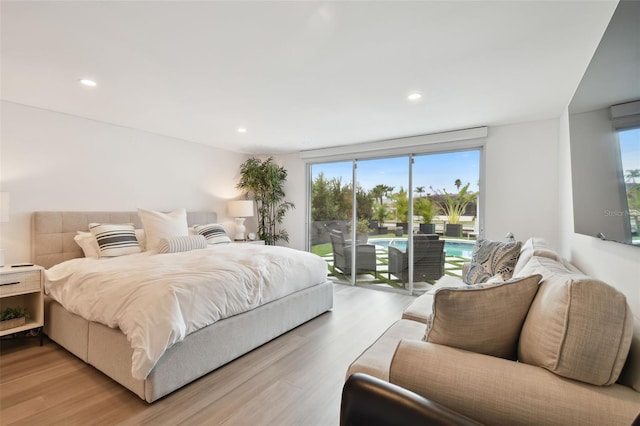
[369, 401]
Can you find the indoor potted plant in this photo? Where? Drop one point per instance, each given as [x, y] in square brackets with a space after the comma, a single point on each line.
[264, 180]
[12, 317]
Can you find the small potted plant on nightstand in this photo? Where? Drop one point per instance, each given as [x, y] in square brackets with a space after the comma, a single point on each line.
[12, 317]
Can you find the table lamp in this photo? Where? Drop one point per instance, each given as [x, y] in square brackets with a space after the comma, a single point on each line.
[240, 209]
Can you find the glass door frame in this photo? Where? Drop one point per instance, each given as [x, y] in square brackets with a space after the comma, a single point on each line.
[438, 148]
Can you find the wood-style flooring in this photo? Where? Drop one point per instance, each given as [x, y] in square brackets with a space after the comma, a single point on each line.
[295, 379]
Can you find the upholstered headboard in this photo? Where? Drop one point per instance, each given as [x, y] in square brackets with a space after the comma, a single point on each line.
[52, 232]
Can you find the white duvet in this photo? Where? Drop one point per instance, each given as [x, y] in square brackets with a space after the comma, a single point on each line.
[158, 299]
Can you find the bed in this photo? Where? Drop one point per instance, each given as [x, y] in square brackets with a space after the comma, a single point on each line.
[200, 352]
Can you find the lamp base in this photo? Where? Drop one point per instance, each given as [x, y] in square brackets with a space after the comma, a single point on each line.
[240, 229]
[1, 257]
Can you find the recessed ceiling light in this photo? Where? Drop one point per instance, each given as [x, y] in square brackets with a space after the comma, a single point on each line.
[87, 82]
[414, 96]
[242, 130]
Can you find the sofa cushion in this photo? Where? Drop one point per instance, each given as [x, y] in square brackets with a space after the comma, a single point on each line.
[577, 327]
[420, 309]
[534, 246]
[490, 258]
[484, 318]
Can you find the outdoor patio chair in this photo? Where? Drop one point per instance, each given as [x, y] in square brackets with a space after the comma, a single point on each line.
[365, 255]
[428, 259]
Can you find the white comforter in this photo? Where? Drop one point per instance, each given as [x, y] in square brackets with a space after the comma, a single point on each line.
[158, 299]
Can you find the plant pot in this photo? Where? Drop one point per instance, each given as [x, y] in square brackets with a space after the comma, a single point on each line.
[453, 230]
[427, 228]
[362, 238]
[12, 323]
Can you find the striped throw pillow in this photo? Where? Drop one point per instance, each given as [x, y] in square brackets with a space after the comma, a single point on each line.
[214, 233]
[182, 243]
[115, 240]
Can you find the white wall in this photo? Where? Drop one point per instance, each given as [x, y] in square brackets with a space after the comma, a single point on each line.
[521, 177]
[53, 161]
[616, 264]
[295, 221]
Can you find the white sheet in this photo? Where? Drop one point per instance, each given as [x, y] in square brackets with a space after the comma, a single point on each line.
[158, 299]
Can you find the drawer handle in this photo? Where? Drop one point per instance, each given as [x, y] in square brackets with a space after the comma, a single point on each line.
[13, 283]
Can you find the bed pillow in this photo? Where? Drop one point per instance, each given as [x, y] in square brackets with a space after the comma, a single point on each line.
[88, 244]
[159, 225]
[214, 233]
[115, 240]
[180, 244]
[482, 318]
[141, 239]
[490, 258]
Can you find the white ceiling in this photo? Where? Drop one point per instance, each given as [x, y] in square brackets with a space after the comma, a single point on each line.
[299, 75]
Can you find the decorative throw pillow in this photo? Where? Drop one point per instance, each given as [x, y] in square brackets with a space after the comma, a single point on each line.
[482, 318]
[115, 240]
[184, 243]
[214, 233]
[534, 246]
[159, 225]
[490, 258]
[88, 244]
[577, 327]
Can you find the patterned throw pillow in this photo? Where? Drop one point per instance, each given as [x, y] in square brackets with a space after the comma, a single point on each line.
[179, 244]
[492, 258]
[214, 233]
[115, 240]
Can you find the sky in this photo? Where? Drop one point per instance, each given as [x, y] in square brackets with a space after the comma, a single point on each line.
[437, 170]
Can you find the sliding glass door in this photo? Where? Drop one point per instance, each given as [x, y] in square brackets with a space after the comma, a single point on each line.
[400, 202]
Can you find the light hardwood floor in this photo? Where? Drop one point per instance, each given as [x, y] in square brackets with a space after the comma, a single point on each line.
[295, 379]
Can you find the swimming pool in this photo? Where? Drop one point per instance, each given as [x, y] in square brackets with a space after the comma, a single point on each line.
[453, 248]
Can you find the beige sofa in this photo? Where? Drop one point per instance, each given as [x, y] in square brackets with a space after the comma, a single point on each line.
[576, 343]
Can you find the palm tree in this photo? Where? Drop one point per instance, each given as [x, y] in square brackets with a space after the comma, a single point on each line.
[632, 174]
[420, 190]
[458, 184]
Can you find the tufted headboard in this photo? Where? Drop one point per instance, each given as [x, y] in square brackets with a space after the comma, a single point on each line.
[52, 232]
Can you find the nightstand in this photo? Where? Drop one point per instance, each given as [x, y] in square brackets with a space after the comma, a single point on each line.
[258, 242]
[23, 287]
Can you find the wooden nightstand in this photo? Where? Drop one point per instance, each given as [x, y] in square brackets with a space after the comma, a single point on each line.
[23, 286]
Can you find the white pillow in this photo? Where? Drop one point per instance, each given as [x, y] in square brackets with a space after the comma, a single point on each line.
[159, 225]
[141, 239]
[88, 244]
[115, 240]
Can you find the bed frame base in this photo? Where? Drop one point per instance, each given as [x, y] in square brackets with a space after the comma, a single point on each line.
[109, 351]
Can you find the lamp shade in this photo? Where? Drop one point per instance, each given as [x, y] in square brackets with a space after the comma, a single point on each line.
[240, 208]
[4, 207]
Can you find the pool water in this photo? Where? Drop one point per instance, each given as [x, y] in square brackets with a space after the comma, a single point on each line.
[453, 248]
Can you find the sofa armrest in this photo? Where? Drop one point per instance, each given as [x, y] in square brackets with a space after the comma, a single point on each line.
[494, 390]
[367, 400]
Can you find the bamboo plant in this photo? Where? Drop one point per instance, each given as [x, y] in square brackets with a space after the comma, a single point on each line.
[264, 181]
